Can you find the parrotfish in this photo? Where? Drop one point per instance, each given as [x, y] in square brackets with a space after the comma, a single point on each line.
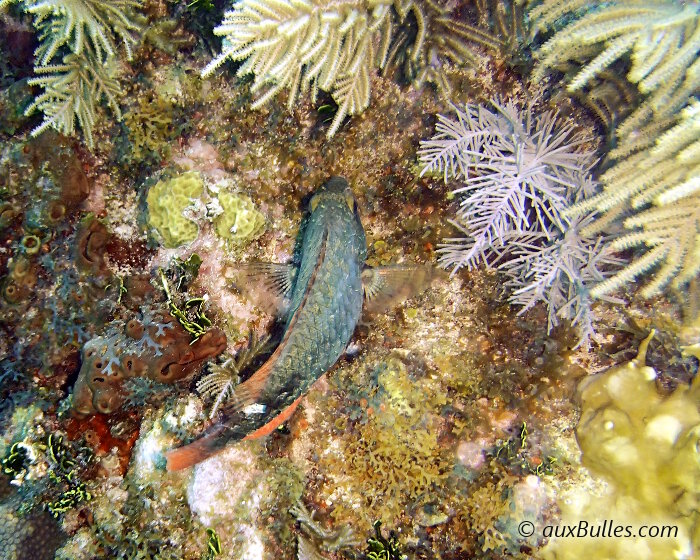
[325, 294]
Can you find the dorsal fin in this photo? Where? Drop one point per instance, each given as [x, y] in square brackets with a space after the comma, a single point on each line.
[248, 392]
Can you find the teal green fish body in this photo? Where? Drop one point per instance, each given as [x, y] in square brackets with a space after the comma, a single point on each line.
[325, 306]
[326, 301]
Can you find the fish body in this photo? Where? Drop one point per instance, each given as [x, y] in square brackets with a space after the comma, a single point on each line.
[325, 306]
[326, 301]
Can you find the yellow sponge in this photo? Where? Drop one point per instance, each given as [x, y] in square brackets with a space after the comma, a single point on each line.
[646, 448]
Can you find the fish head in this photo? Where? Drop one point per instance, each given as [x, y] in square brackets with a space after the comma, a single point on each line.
[333, 209]
[334, 195]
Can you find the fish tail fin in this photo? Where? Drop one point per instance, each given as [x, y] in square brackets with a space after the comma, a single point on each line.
[189, 455]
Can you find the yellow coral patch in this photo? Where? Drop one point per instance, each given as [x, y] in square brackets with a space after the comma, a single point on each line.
[646, 448]
[240, 221]
[166, 203]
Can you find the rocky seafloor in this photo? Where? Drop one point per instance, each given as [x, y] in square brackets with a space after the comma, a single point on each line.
[452, 419]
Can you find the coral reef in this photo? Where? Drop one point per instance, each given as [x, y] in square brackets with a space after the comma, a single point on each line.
[462, 406]
[394, 441]
[645, 446]
[150, 126]
[152, 345]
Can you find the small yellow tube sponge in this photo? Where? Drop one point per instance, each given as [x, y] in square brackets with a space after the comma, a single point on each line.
[646, 447]
[166, 202]
[240, 220]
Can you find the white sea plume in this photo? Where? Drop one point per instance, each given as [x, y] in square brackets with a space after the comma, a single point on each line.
[515, 173]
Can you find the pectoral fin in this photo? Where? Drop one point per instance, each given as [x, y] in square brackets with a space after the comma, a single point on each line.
[386, 286]
[268, 285]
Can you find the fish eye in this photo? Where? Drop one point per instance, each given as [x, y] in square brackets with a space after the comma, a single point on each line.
[313, 203]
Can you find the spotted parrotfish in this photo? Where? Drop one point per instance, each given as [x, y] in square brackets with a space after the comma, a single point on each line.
[325, 296]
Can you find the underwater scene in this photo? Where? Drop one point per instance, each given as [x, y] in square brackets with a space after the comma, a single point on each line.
[349, 279]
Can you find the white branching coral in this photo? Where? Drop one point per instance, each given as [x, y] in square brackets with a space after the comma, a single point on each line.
[661, 39]
[655, 190]
[77, 22]
[519, 171]
[303, 45]
[559, 272]
[85, 34]
[651, 190]
[71, 92]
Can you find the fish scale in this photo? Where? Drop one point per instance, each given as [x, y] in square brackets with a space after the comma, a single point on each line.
[326, 302]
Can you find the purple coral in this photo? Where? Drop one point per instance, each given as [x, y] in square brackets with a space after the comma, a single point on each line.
[517, 171]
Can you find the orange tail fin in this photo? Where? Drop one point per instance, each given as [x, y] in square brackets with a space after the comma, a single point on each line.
[196, 452]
